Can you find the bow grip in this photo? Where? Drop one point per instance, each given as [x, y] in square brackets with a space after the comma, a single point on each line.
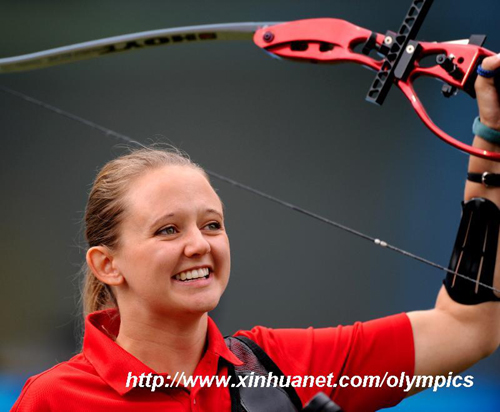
[408, 90]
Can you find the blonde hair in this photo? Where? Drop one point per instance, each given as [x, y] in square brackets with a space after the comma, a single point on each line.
[105, 210]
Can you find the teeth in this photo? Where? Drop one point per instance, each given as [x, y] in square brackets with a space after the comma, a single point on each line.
[193, 274]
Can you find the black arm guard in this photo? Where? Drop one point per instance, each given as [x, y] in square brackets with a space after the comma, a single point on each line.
[474, 253]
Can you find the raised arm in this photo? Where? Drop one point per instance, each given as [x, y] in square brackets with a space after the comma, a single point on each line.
[453, 336]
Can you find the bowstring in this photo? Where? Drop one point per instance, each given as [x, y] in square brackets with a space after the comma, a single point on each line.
[109, 132]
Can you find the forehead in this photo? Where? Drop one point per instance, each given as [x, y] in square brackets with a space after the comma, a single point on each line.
[170, 189]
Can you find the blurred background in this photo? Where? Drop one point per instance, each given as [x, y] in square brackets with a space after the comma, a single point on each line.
[301, 132]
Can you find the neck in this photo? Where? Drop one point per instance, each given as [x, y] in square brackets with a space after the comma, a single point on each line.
[165, 345]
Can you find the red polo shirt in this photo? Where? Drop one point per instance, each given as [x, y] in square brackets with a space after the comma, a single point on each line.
[95, 380]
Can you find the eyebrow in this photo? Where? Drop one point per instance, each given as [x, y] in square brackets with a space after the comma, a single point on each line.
[156, 222]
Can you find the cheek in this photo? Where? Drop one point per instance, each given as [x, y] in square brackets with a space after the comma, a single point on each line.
[223, 251]
[146, 262]
[166, 254]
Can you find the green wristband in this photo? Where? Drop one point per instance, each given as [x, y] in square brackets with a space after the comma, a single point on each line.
[485, 132]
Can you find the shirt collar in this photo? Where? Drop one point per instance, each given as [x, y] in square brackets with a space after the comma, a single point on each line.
[113, 363]
[216, 344]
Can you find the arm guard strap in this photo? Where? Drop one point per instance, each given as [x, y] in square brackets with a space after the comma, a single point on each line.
[474, 253]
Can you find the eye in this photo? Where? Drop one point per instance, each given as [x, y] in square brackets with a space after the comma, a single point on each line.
[169, 230]
[213, 226]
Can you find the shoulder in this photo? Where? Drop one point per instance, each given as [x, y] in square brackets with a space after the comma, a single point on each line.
[390, 325]
[371, 348]
[335, 343]
[46, 390]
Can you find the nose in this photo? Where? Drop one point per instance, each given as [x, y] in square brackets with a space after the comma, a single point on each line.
[196, 243]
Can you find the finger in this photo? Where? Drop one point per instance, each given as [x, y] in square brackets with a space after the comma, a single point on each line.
[491, 63]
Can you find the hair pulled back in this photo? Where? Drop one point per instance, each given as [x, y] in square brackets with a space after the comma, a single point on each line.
[105, 210]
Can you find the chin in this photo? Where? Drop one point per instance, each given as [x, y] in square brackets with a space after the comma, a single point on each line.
[207, 307]
[203, 306]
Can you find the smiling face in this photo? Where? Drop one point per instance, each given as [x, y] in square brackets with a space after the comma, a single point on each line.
[173, 229]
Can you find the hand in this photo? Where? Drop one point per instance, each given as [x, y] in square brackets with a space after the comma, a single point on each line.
[488, 95]
[488, 101]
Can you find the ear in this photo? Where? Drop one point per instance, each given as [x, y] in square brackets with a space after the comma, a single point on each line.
[100, 261]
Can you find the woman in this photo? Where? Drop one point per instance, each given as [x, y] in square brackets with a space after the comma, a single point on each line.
[159, 260]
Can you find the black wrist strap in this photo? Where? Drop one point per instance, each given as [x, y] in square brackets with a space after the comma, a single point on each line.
[488, 179]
